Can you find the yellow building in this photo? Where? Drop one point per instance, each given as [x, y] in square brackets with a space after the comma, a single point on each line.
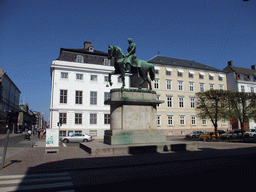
[177, 81]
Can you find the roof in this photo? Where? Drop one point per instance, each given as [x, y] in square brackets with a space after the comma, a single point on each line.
[239, 70]
[181, 63]
[85, 51]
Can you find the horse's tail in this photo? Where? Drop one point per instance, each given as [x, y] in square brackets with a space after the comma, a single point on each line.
[152, 72]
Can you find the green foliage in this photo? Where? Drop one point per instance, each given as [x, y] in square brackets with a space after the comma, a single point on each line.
[213, 105]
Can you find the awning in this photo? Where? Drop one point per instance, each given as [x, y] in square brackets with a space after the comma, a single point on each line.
[221, 75]
[157, 68]
[191, 72]
[211, 74]
[180, 70]
[168, 69]
[201, 73]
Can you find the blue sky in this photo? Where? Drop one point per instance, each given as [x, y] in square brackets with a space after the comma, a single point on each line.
[32, 32]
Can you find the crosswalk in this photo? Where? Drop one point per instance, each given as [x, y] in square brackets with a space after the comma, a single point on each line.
[61, 182]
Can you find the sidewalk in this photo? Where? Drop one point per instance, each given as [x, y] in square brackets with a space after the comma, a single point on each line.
[35, 160]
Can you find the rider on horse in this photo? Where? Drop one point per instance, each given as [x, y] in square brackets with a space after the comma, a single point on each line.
[131, 58]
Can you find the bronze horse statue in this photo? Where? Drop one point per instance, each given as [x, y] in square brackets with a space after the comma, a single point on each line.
[120, 67]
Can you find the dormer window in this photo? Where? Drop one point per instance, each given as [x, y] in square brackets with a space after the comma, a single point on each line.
[107, 62]
[91, 49]
[79, 59]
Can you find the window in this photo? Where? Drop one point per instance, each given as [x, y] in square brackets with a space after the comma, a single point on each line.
[169, 84]
[156, 71]
[192, 102]
[158, 120]
[170, 133]
[156, 84]
[79, 76]
[211, 77]
[63, 118]
[64, 75]
[63, 96]
[93, 98]
[252, 89]
[168, 72]
[79, 59]
[79, 97]
[201, 87]
[169, 120]
[242, 88]
[78, 118]
[107, 62]
[180, 84]
[211, 86]
[106, 78]
[93, 118]
[119, 80]
[169, 101]
[181, 102]
[180, 74]
[191, 74]
[106, 119]
[204, 122]
[93, 133]
[191, 86]
[221, 87]
[224, 121]
[182, 120]
[93, 77]
[158, 98]
[220, 77]
[193, 120]
[106, 96]
[201, 75]
[63, 133]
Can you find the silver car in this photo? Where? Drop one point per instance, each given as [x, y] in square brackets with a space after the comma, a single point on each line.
[77, 137]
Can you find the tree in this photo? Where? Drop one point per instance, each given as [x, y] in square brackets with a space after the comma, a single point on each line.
[212, 104]
[242, 106]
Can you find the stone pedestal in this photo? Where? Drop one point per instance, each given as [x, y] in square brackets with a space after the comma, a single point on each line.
[133, 118]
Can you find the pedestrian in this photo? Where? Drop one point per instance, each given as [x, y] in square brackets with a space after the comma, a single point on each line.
[38, 133]
[41, 134]
[29, 133]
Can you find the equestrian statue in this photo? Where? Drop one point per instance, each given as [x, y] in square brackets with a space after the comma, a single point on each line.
[130, 64]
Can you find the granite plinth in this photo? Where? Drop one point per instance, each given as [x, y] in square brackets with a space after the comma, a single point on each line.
[100, 148]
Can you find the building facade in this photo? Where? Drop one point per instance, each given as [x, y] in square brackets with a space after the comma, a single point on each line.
[241, 80]
[9, 100]
[79, 88]
[177, 81]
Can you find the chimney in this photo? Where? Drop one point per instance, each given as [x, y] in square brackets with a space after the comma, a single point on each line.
[230, 63]
[253, 67]
[87, 44]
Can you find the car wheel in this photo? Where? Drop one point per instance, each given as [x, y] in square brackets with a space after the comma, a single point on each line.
[85, 140]
[65, 141]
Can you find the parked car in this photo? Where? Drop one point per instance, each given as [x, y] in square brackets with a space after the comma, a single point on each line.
[233, 134]
[77, 137]
[221, 131]
[250, 136]
[208, 136]
[194, 134]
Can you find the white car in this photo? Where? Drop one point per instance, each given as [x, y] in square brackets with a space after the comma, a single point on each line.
[250, 136]
[77, 137]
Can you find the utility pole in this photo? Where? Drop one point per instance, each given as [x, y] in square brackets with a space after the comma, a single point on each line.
[8, 125]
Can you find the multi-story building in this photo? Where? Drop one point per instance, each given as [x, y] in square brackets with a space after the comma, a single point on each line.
[9, 99]
[177, 81]
[241, 80]
[78, 91]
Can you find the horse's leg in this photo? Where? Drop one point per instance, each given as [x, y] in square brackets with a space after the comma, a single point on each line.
[149, 82]
[109, 77]
[142, 74]
[123, 77]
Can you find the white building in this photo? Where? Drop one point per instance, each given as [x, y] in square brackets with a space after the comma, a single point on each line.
[79, 88]
[241, 80]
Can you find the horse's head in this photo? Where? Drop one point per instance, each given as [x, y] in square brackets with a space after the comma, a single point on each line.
[110, 51]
